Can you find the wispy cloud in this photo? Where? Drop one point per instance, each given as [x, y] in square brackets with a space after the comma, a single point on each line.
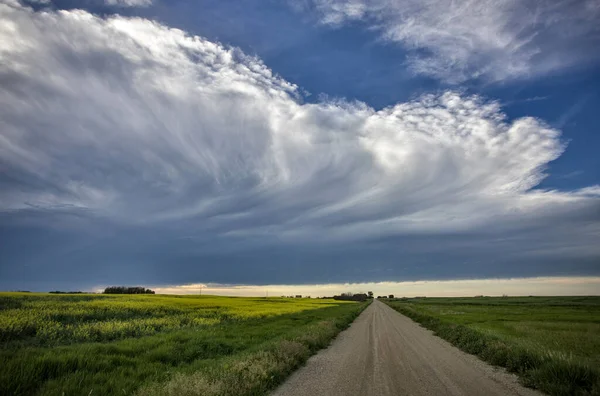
[494, 40]
[571, 175]
[571, 111]
[128, 121]
[134, 120]
[129, 3]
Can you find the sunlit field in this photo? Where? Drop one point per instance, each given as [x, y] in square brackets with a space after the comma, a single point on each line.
[157, 344]
[553, 343]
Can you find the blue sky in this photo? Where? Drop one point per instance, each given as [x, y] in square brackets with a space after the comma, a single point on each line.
[317, 141]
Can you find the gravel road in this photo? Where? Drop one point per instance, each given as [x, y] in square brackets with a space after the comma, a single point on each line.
[385, 353]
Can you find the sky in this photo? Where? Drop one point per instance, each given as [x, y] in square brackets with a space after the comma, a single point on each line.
[539, 286]
[307, 142]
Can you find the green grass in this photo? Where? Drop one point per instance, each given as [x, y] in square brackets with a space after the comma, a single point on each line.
[552, 343]
[109, 345]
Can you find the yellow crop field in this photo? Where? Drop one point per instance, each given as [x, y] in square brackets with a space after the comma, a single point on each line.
[122, 344]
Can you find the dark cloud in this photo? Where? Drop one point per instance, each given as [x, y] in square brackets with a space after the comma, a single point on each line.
[132, 152]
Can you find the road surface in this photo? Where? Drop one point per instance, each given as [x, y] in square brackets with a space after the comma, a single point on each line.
[385, 353]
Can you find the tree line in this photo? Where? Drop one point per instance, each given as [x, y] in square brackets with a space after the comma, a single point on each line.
[65, 292]
[127, 290]
[353, 297]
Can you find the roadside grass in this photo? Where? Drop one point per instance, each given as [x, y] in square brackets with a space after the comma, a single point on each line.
[551, 343]
[247, 350]
[253, 373]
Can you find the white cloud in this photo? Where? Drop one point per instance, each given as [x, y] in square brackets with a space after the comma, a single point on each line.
[142, 124]
[129, 3]
[468, 39]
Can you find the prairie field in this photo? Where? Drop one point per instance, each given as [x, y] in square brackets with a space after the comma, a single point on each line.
[82, 344]
[552, 343]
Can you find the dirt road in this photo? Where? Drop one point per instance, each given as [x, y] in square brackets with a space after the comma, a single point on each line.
[385, 353]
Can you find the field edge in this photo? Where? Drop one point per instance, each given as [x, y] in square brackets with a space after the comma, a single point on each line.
[259, 371]
[544, 373]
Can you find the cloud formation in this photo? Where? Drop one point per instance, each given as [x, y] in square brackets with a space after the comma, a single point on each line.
[131, 123]
[494, 40]
[129, 3]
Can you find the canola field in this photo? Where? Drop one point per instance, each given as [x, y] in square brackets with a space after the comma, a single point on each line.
[83, 344]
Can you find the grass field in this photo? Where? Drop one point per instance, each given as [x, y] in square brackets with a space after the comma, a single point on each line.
[552, 343]
[156, 344]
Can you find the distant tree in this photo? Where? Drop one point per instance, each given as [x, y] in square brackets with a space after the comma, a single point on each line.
[391, 296]
[351, 297]
[127, 290]
[66, 292]
[370, 294]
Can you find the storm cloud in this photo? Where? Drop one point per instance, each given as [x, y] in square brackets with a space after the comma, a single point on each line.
[133, 151]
